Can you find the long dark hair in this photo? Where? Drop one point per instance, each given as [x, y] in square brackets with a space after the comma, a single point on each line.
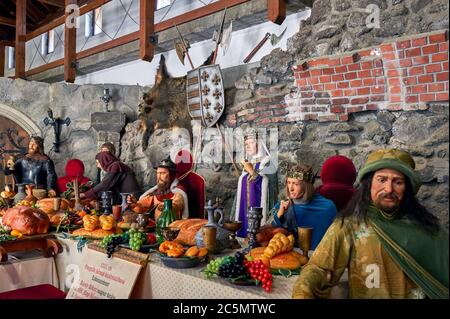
[409, 206]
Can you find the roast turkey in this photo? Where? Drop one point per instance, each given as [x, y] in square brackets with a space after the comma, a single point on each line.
[27, 220]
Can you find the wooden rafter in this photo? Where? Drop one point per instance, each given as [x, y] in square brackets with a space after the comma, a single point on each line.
[8, 21]
[276, 11]
[70, 45]
[146, 29]
[55, 3]
[21, 30]
[2, 59]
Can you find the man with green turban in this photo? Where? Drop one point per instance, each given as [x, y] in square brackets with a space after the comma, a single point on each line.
[392, 246]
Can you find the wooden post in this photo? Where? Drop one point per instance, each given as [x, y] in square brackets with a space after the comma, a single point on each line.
[2, 59]
[21, 32]
[146, 29]
[70, 45]
[276, 11]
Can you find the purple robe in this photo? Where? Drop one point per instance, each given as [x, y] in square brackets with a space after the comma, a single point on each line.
[255, 200]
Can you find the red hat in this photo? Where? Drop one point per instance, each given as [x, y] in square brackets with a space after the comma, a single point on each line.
[338, 176]
[74, 168]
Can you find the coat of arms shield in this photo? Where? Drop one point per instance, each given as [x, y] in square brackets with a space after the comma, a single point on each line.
[205, 94]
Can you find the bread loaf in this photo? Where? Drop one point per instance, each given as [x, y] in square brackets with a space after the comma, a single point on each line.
[266, 233]
[46, 205]
[290, 260]
[188, 229]
[26, 220]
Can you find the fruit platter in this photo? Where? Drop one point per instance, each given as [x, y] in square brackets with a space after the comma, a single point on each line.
[132, 239]
[175, 255]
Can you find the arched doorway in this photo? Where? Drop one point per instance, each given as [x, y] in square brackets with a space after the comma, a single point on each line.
[15, 132]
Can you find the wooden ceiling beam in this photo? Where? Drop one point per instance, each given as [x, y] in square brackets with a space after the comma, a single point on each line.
[55, 3]
[146, 29]
[21, 31]
[8, 21]
[70, 46]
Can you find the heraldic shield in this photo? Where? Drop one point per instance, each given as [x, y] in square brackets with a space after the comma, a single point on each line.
[205, 94]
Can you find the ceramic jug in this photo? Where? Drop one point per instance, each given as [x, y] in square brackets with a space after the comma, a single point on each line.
[20, 193]
[223, 235]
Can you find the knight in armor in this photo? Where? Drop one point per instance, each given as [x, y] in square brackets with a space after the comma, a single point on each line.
[34, 168]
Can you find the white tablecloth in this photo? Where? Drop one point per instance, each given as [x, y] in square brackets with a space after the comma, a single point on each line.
[27, 270]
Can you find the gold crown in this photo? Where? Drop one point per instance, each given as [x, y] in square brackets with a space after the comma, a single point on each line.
[301, 172]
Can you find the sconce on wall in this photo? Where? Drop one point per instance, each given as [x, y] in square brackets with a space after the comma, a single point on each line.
[106, 98]
[56, 123]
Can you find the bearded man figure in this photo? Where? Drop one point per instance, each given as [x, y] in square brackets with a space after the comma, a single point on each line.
[166, 188]
[392, 246]
[34, 168]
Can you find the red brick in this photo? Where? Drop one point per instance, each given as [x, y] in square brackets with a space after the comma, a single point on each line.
[378, 63]
[330, 86]
[337, 109]
[433, 48]
[318, 87]
[377, 89]
[325, 79]
[278, 119]
[351, 75]
[381, 81]
[363, 91]
[412, 99]
[440, 37]
[377, 98]
[327, 118]
[395, 98]
[395, 90]
[415, 70]
[280, 112]
[412, 52]
[307, 95]
[354, 67]
[394, 81]
[314, 80]
[425, 78]
[261, 108]
[310, 117]
[354, 109]
[305, 74]
[389, 56]
[438, 57]
[394, 64]
[426, 97]
[337, 77]
[442, 96]
[343, 117]
[317, 62]
[356, 83]
[445, 66]
[347, 60]
[443, 46]
[367, 65]
[340, 69]
[301, 82]
[334, 62]
[360, 100]
[394, 107]
[364, 74]
[405, 63]
[328, 71]
[419, 42]
[368, 82]
[316, 72]
[349, 92]
[377, 72]
[364, 53]
[403, 44]
[340, 101]
[336, 93]
[263, 121]
[420, 60]
[301, 67]
[397, 72]
[417, 89]
[410, 80]
[371, 107]
[343, 85]
[305, 88]
[387, 47]
[432, 68]
[443, 76]
[436, 87]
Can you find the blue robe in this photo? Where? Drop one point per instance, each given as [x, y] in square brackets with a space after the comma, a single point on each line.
[318, 213]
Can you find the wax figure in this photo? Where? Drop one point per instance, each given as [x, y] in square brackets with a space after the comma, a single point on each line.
[119, 178]
[105, 147]
[167, 187]
[34, 168]
[338, 175]
[304, 207]
[74, 171]
[257, 185]
[392, 246]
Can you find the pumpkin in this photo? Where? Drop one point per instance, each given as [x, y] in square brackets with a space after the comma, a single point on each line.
[107, 222]
[46, 205]
[90, 222]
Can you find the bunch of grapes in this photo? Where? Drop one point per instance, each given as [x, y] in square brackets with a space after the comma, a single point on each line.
[235, 268]
[260, 272]
[110, 243]
[137, 239]
[213, 267]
